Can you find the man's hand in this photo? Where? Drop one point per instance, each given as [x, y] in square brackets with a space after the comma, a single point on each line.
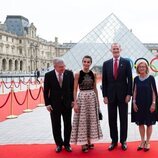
[105, 100]
[49, 108]
[127, 99]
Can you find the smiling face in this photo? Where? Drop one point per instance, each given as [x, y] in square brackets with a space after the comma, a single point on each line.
[60, 67]
[142, 68]
[86, 62]
[115, 49]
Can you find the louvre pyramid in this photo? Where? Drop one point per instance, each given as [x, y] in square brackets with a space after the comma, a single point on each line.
[97, 44]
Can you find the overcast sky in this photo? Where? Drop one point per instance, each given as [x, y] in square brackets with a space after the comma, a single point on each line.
[71, 20]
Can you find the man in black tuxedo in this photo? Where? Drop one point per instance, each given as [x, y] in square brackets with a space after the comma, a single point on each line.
[58, 96]
[117, 91]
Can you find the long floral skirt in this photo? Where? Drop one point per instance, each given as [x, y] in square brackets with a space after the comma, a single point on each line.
[86, 125]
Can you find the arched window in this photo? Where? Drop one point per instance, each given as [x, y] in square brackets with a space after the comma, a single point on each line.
[10, 65]
[48, 65]
[4, 65]
[21, 65]
[16, 65]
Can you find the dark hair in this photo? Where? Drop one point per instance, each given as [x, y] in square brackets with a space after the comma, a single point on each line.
[87, 56]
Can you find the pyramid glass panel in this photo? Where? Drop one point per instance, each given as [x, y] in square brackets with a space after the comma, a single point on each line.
[97, 44]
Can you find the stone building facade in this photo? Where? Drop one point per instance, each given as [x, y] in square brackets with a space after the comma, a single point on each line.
[21, 50]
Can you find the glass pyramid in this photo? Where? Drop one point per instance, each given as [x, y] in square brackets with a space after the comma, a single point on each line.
[97, 44]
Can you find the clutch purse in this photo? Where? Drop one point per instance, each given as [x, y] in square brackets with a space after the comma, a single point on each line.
[100, 116]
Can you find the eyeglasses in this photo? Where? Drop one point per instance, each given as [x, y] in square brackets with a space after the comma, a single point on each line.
[142, 67]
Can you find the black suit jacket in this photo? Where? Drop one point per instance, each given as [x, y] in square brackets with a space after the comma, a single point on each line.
[55, 95]
[120, 87]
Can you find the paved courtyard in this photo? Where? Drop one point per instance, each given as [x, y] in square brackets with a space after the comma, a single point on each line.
[35, 127]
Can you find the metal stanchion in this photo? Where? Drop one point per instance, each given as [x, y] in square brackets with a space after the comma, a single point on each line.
[41, 105]
[41, 82]
[11, 116]
[27, 109]
[20, 84]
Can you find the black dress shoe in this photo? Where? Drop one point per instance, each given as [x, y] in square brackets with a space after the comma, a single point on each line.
[68, 148]
[124, 146]
[58, 149]
[112, 146]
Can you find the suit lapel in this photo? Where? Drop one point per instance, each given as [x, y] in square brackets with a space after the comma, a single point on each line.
[64, 78]
[120, 65]
[111, 68]
[55, 79]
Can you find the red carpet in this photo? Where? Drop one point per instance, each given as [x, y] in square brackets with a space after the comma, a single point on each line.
[100, 151]
[18, 109]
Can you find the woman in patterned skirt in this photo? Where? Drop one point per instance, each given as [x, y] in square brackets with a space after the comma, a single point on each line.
[86, 126]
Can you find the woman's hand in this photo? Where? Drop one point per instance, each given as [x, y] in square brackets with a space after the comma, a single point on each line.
[152, 108]
[76, 108]
[135, 107]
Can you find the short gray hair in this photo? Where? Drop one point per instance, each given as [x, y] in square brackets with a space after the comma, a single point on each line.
[114, 44]
[57, 61]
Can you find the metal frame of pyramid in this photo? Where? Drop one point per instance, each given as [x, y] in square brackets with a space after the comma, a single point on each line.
[97, 44]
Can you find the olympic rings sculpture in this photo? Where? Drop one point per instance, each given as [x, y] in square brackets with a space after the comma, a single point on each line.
[153, 67]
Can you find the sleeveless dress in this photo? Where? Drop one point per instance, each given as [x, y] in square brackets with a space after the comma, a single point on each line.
[144, 100]
[86, 125]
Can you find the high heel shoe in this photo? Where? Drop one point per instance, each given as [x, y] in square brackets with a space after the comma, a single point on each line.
[91, 146]
[85, 148]
[141, 146]
[146, 146]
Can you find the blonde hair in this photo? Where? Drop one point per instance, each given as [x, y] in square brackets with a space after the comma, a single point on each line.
[146, 65]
